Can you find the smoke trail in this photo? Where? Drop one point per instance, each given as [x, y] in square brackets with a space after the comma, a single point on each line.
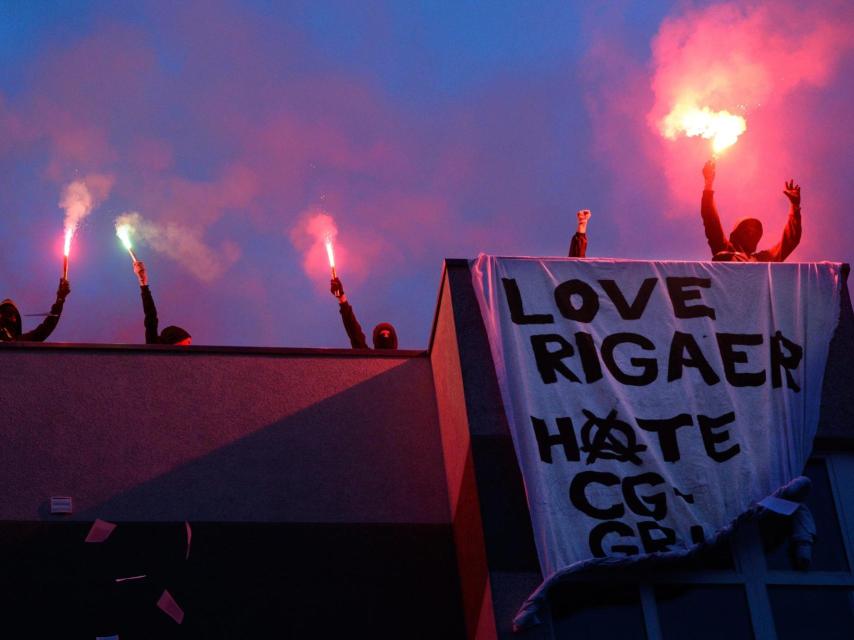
[183, 244]
[309, 236]
[742, 56]
[80, 197]
[77, 202]
[751, 59]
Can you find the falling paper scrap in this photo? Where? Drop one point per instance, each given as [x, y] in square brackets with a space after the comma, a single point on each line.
[779, 505]
[129, 578]
[100, 531]
[189, 539]
[170, 607]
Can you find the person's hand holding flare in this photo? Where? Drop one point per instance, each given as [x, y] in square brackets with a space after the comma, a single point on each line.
[337, 290]
[709, 174]
[63, 290]
[139, 270]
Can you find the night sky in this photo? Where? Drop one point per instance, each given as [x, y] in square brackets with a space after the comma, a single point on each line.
[425, 129]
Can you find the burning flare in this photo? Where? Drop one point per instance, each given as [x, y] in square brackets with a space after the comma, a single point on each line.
[123, 231]
[721, 127]
[330, 254]
[77, 201]
[69, 233]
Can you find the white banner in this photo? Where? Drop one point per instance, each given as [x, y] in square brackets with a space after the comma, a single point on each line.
[652, 403]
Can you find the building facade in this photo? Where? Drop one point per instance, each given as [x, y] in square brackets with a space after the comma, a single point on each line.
[329, 493]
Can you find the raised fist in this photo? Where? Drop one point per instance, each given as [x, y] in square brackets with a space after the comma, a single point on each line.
[583, 217]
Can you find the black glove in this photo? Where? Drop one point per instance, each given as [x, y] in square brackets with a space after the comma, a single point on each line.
[63, 290]
[336, 288]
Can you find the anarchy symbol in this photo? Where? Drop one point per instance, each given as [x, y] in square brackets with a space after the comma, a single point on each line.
[613, 439]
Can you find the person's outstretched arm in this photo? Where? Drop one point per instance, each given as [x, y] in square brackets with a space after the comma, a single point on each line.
[148, 306]
[792, 231]
[41, 332]
[348, 317]
[578, 246]
[709, 212]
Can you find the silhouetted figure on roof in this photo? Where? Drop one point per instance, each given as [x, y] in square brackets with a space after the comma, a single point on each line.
[10, 319]
[741, 246]
[578, 245]
[170, 335]
[385, 337]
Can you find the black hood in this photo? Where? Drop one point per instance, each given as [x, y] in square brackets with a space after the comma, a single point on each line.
[746, 235]
[385, 343]
[9, 333]
[173, 335]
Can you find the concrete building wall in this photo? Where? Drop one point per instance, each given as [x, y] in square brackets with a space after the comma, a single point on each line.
[313, 481]
[327, 488]
[269, 436]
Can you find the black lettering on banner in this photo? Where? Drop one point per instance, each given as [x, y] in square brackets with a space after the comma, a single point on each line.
[597, 535]
[677, 289]
[687, 497]
[565, 437]
[589, 300]
[579, 499]
[550, 363]
[651, 544]
[517, 311]
[685, 343]
[787, 362]
[666, 430]
[711, 438]
[589, 357]
[698, 536]
[634, 310]
[730, 356]
[606, 444]
[649, 366]
[655, 505]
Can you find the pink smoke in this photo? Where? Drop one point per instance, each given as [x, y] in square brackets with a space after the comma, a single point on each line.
[769, 62]
[80, 197]
[353, 254]
[748, 59]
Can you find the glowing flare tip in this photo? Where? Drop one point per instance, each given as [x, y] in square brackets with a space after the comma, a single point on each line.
[330, 254]
[69, 233]
[123, 231]
[721, 127]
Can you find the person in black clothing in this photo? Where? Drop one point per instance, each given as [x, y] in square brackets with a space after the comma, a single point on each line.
[10, 319]
[578, 246]
[385, 337]
[741, 246]
[170, 335]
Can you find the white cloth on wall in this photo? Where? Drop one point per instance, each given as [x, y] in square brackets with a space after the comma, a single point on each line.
[653, 403]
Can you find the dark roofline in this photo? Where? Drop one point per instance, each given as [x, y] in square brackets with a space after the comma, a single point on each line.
[215, 349]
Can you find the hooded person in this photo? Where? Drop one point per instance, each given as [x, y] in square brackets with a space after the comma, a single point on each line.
[170, 335]
[745, 236]
[578, 244]
[11, 327]
[384, 335]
